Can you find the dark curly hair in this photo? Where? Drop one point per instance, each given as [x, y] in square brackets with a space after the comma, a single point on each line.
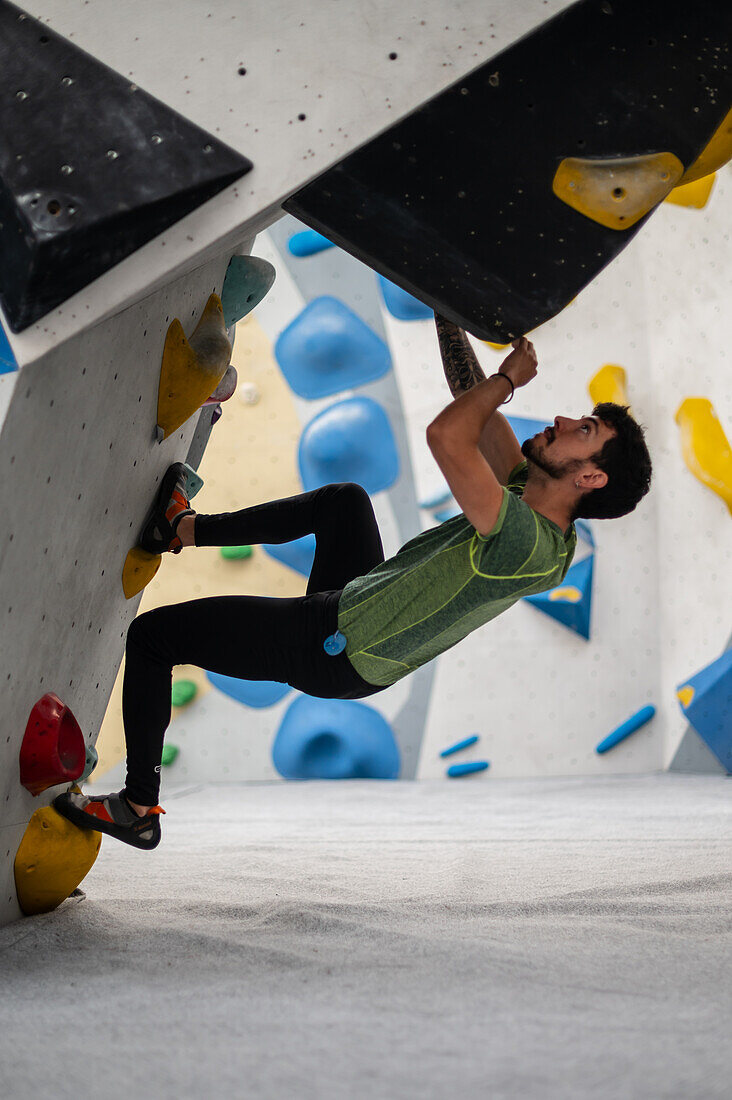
[625, 460]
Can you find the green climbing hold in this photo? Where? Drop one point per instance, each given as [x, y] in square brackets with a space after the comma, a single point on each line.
[247, 281]
[236, 553]
[170, 752]
[184, 692]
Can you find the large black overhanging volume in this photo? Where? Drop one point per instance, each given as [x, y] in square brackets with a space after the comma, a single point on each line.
[455, 202]
[91, 168]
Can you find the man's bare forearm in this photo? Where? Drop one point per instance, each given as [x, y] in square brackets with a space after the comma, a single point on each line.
[465, 418]
[459, 361]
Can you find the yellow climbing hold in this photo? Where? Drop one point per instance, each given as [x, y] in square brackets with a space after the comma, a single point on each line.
[685, 695]
[705, 447]
[496, 347]
[568, 593]
[694, 194]
[53, 858]
[609, 384]
[192, 369]
[617, 192]
[716, 153]
[139, 569]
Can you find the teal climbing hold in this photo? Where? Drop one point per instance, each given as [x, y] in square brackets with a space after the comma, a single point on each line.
[194, 481]
[183, 693]
[706, 700]
[170, 754]
[92, 759]
[308, 243]
[236, 553]
[328, 349]
[570, 603]
[247, 281]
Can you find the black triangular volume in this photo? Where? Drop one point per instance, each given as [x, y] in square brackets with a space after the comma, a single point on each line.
[455, 202]
[91, 168]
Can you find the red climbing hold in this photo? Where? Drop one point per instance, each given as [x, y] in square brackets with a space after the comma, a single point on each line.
[53, 749]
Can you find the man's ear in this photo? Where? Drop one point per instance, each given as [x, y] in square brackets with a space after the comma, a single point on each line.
[591, 478]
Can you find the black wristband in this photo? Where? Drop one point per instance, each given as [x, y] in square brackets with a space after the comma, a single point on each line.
[500, 374]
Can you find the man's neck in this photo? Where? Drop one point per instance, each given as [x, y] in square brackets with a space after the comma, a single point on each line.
[549, 499]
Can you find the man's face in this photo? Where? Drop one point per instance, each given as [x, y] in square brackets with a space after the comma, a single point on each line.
[567, 444]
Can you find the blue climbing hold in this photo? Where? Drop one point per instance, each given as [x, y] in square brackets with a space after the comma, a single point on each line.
[524, 427]
[334, 739]
[351, 440]
[403, 306]
[252, 693]
[298, 554]
[328, 349]
[635, 722]
[706, 700]
[460, 745]
[308, 243]
[467, 769]
[7, 359]
[435, 500]
[570, 603]
[335, 644]
[443, 514]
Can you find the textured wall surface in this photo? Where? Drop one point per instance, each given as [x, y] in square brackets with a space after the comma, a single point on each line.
[80, 464]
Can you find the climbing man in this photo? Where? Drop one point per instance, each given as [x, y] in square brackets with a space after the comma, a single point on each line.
[364, 622]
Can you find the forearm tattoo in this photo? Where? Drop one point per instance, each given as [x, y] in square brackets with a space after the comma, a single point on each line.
[459, 361]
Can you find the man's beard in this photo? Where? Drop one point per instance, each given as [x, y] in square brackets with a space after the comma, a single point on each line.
[555, 470]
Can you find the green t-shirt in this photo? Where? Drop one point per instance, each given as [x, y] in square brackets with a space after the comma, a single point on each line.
[448, 581]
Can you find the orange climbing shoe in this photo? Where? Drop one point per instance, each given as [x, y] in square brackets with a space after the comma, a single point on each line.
[111, 814]
[170, 505]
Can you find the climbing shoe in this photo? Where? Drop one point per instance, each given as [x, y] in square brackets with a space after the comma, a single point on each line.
[170, 505]
[111, 814]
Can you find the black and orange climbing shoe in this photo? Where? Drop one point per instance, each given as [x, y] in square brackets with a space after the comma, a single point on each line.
[111, 814]
[171, 504]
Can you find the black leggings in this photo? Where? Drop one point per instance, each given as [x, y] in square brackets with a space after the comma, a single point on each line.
[251, 637]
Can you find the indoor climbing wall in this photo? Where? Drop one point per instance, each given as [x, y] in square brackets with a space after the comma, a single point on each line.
[115, 243]
[115, 251]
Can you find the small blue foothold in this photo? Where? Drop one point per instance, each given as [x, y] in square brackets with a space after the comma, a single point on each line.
[335, 644]
[460, 745]
[467, 769]
[630, 726]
